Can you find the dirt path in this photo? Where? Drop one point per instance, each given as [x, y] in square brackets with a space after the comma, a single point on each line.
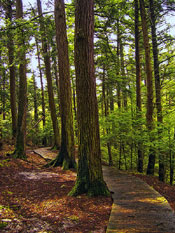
[137, 207]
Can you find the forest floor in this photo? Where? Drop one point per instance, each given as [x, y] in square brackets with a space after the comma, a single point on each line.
[34, 198]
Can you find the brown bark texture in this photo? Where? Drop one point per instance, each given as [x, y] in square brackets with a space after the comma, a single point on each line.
[138, 84]
[66, 156]
[49, 78]
[22, 101]
[157, 87]
[89, 177]
[10, 46]
[149, 82]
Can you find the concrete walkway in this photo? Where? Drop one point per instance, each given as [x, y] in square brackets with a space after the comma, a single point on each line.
[136, 206]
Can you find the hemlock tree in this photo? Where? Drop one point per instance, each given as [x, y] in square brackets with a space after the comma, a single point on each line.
[49, 77]
[90, 176]
[149, 84]
[22, 99]
[152, 6]
[66, 156]
[10, 45]
[138, 85]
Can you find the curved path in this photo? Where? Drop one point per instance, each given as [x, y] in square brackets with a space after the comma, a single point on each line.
[136, 206]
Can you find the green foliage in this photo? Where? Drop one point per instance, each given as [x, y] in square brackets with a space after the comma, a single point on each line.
[3, 224]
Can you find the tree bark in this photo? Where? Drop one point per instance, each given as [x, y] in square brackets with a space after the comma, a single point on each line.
[138, 85]
[157, 87]
[66, 156]
[20, 148]
[149, 82]
[118, 66]
[124, 90]
[10, 46]
[106, 108]
[3, 93]
[49, 78]
[44, 140]
[90, 176]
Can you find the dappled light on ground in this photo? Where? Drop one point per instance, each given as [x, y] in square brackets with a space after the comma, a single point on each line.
[34, 199]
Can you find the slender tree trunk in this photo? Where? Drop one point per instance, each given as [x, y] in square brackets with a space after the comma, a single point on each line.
[66, 156]
[44, 140]
[20, 148]
[138, 85]
[106, 112]
[49, 78]
[149, 80]
[118, 66]
[10, 46]
[124, 90]
[90, 176]
[157, 87]
[35, 102]
[35, 99]
[56, 77]
[4, 94]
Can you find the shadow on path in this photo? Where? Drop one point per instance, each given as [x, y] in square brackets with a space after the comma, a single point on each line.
[136, 206]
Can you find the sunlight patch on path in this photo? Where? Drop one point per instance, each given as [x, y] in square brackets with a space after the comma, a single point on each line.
[137, 207]
[38, 175]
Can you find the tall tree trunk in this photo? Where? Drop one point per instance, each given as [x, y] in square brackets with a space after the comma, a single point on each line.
[35, 103]
[157, 87]
[56, 77]
[149, 80]
[124, 90]
[90, 176]
[3, 94]
[66, 156]
[35, 99]
[10, 46]
[118, 66]
[138, 85]
[106, 108]
[20, 148]
[49, 78]
[44, 141]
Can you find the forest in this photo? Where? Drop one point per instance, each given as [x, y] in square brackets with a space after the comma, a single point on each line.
[49, 69]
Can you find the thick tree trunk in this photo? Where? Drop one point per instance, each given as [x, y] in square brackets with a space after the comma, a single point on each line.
[49, 79]
[90, 176]
[138, 85]
[66, 156]
[149, 80]
[10, 46]
[22, 102]
[157, 87]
